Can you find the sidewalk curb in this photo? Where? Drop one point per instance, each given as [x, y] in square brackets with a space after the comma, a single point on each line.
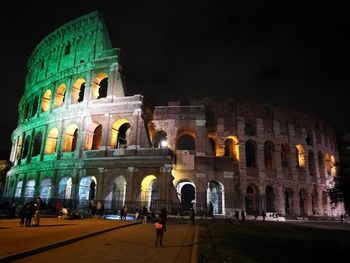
[34, 251]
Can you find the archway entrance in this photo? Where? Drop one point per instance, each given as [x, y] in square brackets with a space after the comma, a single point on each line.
[251, 202]
[215, 195]
[119, 191]
[288, 197]
[149, 191]
[87, 190]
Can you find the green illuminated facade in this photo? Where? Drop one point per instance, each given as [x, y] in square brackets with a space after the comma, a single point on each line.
[80, 138]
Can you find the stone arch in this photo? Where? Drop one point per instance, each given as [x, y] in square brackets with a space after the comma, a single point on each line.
[213, 145]
[65, 188]
[37, 143]
[300, 156]
[99, 86]
[149, 190]
[60, 95]
[45, 188]
[186, 192]
[93, 139]
[321, 164]
[46, 100]
[216, 195]
[29, 189]
[78, 90]
[285, 155]
[18, 190]
[250, 153]
[119, 136]
[288, 201]
[26, 147]
[70, 138]
[34, 107]
[186, 140]
[51, 141]
[251, 199]
[119, 192]
[232, 147]
[270, 199]
[303, 202]
[269, 150]
[87, 190]
[312, 164]
[160, 139]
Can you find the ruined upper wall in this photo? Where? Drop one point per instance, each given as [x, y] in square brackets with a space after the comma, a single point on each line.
[76, 42]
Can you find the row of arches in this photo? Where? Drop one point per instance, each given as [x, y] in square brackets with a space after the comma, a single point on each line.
[93, 139]
[99, 89]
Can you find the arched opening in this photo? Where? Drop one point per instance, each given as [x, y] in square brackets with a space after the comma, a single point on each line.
[26, 147]
[119, 136]
[251, 200]
[213, 146]
[149, 191]
[186, 142]
[232, 147]
[288, 201]
[312, 165]
[93, 139]
[87, 190]
[45, 103]
[300, 157]
[119, 192]
[60, 93]
[67, 49]
[35, 106]
[285, 153]
[45, 189]
[100, 86]
[270, 199]
[188, 194]
[70, 138]
[250, 151]
[160, 140]
[302, 202]
[215, 195]
[18, 191]
[51, 141]
[37, 144]
[78, 90]
[269, 150]
[65, 188]
[29, 190]
[321, 164]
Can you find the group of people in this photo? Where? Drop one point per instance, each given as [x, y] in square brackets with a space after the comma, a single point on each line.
[30, 213]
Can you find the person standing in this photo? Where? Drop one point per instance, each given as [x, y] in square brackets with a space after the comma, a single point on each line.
[243, 215]
[159, 232]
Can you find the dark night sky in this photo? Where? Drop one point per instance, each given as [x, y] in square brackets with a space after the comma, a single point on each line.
[280, 52]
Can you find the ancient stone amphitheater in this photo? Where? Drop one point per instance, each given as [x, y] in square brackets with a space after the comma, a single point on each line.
[81, 139]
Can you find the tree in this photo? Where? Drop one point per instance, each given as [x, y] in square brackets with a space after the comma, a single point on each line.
[341, 190]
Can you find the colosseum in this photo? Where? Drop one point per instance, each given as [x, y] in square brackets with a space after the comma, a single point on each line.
[80, 139]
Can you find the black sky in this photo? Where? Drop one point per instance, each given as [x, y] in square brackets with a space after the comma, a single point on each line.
[286, 53]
